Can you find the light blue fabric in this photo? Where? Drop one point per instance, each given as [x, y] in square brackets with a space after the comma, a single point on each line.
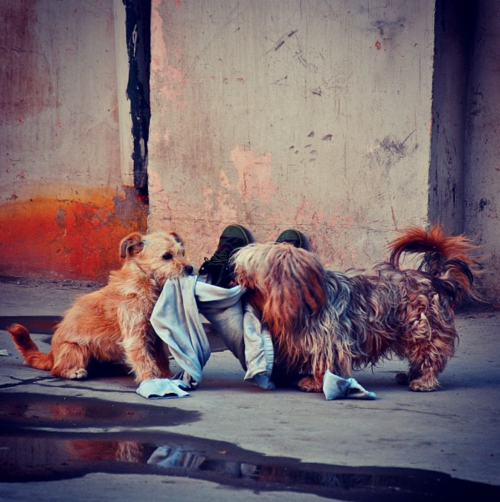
[240, 329]
[223, 309]
[176, 321]
[176, 456]
[259, 350]
[157, 388]
[335, 387]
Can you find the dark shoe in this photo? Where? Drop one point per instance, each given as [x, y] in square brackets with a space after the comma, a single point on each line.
[293, 237]
[217, 269]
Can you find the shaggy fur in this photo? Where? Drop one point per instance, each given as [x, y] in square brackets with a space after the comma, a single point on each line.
[112, 324]
[321, 319]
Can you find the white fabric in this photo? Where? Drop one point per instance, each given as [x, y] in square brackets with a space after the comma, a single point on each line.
[335, 387]
[176, 321]
[157, 388]
[259, 350]
[223, 309]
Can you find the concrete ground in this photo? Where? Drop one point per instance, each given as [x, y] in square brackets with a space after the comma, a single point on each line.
[90, 433]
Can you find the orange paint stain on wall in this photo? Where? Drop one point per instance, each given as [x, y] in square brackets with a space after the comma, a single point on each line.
[66, 239]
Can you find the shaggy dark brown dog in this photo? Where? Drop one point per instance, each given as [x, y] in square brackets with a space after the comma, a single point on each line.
[321, 319]
[112, 324]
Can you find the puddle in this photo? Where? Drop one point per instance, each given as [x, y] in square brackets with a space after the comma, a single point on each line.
[34, 412]
[46, 438]
[46, 458]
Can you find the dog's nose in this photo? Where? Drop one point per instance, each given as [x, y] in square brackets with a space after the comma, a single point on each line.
[188, 269]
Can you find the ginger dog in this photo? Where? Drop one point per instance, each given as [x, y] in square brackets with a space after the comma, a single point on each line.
[321, 319]
[112, 323]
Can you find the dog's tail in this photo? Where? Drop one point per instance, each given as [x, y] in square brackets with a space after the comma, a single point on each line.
[28, 349]
[448, 258]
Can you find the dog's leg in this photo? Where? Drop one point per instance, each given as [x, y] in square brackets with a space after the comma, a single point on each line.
[140, 360]
[333, 358]
[310, 384]
[138, 343]
[431, 360]
[428, 354]
[314, 382]
[70, 361]
[416, 381]
[160, 355]
[427, 381]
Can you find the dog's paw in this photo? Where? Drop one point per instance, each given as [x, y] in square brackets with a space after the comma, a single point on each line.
[424, 385]
[309, 384]
[75, 374]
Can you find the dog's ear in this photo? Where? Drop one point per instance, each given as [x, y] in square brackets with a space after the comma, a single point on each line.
[176, 236]
[131, 245]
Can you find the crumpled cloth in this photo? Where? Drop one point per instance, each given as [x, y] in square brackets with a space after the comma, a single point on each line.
[259, 350]
[336, 387]
[176, 320]
[238, 325]
[157, 388]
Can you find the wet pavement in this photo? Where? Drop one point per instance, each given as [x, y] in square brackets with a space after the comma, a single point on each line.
[46, 439]
[98, 440]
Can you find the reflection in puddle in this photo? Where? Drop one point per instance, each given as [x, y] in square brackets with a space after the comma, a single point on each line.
[81, 443]
[121, 451]
[61, 411]
[27, 411]
[46, 458]
[170, 457]
[386, 484]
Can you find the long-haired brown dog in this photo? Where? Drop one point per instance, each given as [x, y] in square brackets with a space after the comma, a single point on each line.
[321, 319]
[112, 323]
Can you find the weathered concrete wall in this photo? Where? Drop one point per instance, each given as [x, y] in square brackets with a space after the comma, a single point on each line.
[482, 173]
[63, 208]
[347, 120]
[454, 28]
[306, 114]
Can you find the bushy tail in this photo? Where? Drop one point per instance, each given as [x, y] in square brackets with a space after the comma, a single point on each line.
[28, 349]
[448, 258]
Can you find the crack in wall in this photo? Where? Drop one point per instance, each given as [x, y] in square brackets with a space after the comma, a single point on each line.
[138, 33]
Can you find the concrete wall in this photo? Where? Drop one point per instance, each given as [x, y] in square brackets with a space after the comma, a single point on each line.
[347, 120]
[454, 28]
[305, 114]
[482, 166]
[63, 206]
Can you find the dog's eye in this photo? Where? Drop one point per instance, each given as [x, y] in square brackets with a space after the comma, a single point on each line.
[167, 256]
